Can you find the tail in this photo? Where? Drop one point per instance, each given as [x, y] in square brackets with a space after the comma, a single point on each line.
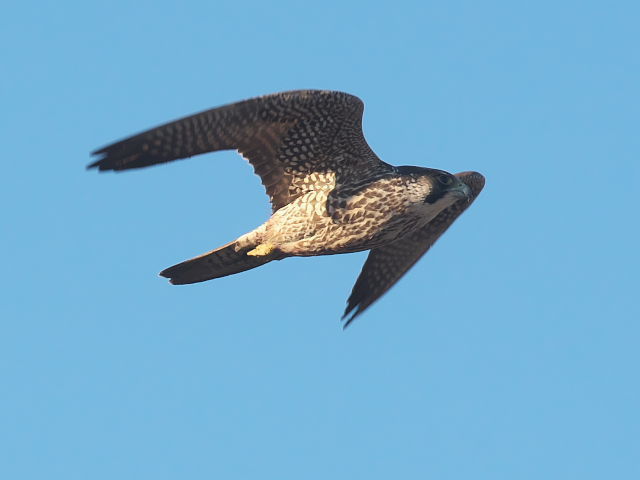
[218, 263]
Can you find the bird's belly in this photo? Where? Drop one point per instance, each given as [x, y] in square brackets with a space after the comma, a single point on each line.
[317, 235]
[306, 228]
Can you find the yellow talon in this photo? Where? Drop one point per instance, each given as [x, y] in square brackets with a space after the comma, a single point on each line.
[262, 250]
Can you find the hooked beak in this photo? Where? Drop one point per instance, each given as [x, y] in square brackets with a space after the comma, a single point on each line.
[461, 191]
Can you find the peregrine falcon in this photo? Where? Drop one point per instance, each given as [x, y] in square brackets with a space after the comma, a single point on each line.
[329, 191]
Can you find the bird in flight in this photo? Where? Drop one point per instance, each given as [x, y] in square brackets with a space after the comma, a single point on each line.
[329, 191]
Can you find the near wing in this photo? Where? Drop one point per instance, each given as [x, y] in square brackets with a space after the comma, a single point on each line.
[285, 136]
[385, 265]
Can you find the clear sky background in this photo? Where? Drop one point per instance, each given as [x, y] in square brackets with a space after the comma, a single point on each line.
[509, 352]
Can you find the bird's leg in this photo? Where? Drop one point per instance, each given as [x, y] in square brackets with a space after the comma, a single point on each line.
[262, 250]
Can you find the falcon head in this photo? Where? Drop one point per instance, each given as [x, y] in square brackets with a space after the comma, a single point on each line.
[447, 187]
[436, 188]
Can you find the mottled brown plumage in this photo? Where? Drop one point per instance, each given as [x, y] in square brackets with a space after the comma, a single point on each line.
[329, 192]
[385, 265]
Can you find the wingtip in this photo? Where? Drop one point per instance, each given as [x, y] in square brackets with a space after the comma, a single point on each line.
[101, 163]
[93, 165]
[474, 179]
[352, 313]
[100, 153]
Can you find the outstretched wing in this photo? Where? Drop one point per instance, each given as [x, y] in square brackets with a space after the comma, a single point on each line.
[385, 265]
[285, 136]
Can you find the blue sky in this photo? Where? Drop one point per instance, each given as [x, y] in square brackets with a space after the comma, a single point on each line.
[510, 351]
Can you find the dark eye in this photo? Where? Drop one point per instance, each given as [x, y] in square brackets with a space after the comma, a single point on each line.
[445, 179]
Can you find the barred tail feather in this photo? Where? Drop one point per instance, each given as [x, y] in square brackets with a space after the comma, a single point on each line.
[218, 263]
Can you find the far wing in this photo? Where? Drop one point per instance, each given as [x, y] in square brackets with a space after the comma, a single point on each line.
[386, 265]
[285, 136]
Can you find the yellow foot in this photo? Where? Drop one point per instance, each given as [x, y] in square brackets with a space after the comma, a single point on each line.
[262, 250]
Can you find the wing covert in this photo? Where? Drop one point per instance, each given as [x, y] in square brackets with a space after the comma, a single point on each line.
[285, 136]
